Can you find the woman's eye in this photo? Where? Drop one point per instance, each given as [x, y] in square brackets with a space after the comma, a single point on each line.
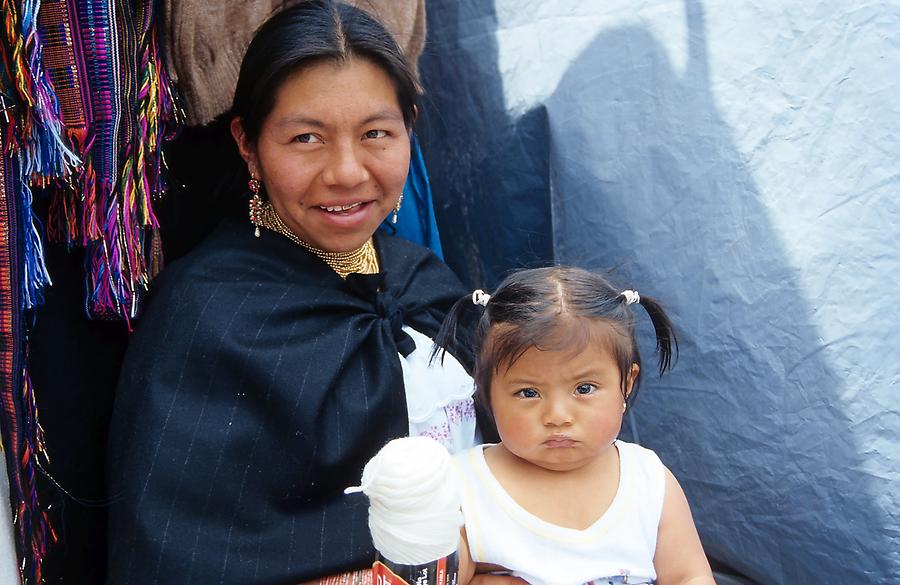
[585, 389]
[307, 138]
[375, 134]
[527, 393]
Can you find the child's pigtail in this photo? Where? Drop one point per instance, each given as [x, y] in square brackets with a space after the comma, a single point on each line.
[448, 336]
[666, 340]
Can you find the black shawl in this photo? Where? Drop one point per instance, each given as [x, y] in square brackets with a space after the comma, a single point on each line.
[256, 387]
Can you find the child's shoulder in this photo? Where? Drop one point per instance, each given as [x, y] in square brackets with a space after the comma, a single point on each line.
[637, 456]
[642, 472]
[472, 462]
[472, 453]
[635, 449]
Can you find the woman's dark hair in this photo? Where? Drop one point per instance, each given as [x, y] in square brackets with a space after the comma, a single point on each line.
[311, 32]
[555, 308]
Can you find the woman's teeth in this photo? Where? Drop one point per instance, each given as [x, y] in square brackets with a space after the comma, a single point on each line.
[341, 207]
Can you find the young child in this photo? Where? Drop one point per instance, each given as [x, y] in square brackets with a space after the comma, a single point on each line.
[560, 500]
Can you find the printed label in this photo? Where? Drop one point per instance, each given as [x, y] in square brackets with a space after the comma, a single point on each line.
[444, 571]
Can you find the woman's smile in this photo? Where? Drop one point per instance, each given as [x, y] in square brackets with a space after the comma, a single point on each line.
[341, 207]
[346, 215]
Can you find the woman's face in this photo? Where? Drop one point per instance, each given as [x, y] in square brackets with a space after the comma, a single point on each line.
[333, 154]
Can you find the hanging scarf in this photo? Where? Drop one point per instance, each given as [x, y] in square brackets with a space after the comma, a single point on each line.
[18, 414]
[118, 107]
[85, 106]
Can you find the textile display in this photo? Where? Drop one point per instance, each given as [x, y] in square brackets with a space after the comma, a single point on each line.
[20, 432]
[85, 105]
[118, 108]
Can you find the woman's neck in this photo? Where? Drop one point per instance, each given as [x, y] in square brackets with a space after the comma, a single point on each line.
[362, 261]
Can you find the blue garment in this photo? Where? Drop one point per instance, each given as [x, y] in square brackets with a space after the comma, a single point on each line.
[415, 221]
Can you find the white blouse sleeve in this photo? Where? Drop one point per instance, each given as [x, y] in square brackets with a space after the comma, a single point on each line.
[438, 396]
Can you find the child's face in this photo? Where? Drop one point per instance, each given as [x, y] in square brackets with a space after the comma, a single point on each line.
[560, 410]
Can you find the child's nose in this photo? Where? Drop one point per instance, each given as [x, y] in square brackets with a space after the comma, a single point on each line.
[557, 413]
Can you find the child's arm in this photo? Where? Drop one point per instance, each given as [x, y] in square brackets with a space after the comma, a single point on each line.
[467, 568]
[679, 558]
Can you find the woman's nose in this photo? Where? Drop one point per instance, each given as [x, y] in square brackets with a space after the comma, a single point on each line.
[345, 167]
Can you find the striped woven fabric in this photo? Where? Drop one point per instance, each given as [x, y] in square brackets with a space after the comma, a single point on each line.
[118, 108]
[18, 416]
[85, 106]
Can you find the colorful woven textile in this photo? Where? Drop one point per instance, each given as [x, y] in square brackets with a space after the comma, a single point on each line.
[85, 106]
[89, 104]
[118, 108]
[18, 415]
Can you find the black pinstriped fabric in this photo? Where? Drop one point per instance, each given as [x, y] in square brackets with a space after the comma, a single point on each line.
[256, 387]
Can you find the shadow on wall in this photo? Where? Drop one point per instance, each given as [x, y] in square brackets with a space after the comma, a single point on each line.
[751, 420]
[489, 171]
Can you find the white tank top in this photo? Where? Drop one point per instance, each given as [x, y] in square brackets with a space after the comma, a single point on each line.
[618, 548]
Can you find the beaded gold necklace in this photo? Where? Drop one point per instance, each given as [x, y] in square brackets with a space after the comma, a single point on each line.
[362, 261]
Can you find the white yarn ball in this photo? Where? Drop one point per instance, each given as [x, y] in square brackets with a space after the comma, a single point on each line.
[414, 502]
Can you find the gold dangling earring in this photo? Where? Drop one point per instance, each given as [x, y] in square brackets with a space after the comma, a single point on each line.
[397, 209]
[256, 203]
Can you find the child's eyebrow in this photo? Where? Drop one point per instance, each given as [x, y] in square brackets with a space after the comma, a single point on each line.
[521, 381]
[589, 373]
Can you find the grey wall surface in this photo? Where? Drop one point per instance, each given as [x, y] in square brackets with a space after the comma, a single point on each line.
[739, 161]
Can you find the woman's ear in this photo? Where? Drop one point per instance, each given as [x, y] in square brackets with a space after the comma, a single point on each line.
[632, 376]
[245, 146]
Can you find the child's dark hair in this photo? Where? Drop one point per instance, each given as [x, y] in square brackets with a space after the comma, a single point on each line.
[553, 308]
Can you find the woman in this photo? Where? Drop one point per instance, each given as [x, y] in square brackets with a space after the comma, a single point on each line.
[281, 354]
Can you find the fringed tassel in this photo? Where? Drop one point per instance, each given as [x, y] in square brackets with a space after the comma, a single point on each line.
[158, 121]
[108, 210]
[35, 275]
[33, 525]
[129, 253]
[40, 131]
[22, 435]
[36, 135]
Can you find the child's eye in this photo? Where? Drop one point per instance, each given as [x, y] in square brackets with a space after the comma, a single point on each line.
[375, 134]
[528, 393]
[307, 138]
[585, 389]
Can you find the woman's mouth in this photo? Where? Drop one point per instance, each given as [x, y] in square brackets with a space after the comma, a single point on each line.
[347, 215]
[341, 208]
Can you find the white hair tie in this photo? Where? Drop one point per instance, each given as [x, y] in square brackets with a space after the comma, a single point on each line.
[479, 297]
[631, 296]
